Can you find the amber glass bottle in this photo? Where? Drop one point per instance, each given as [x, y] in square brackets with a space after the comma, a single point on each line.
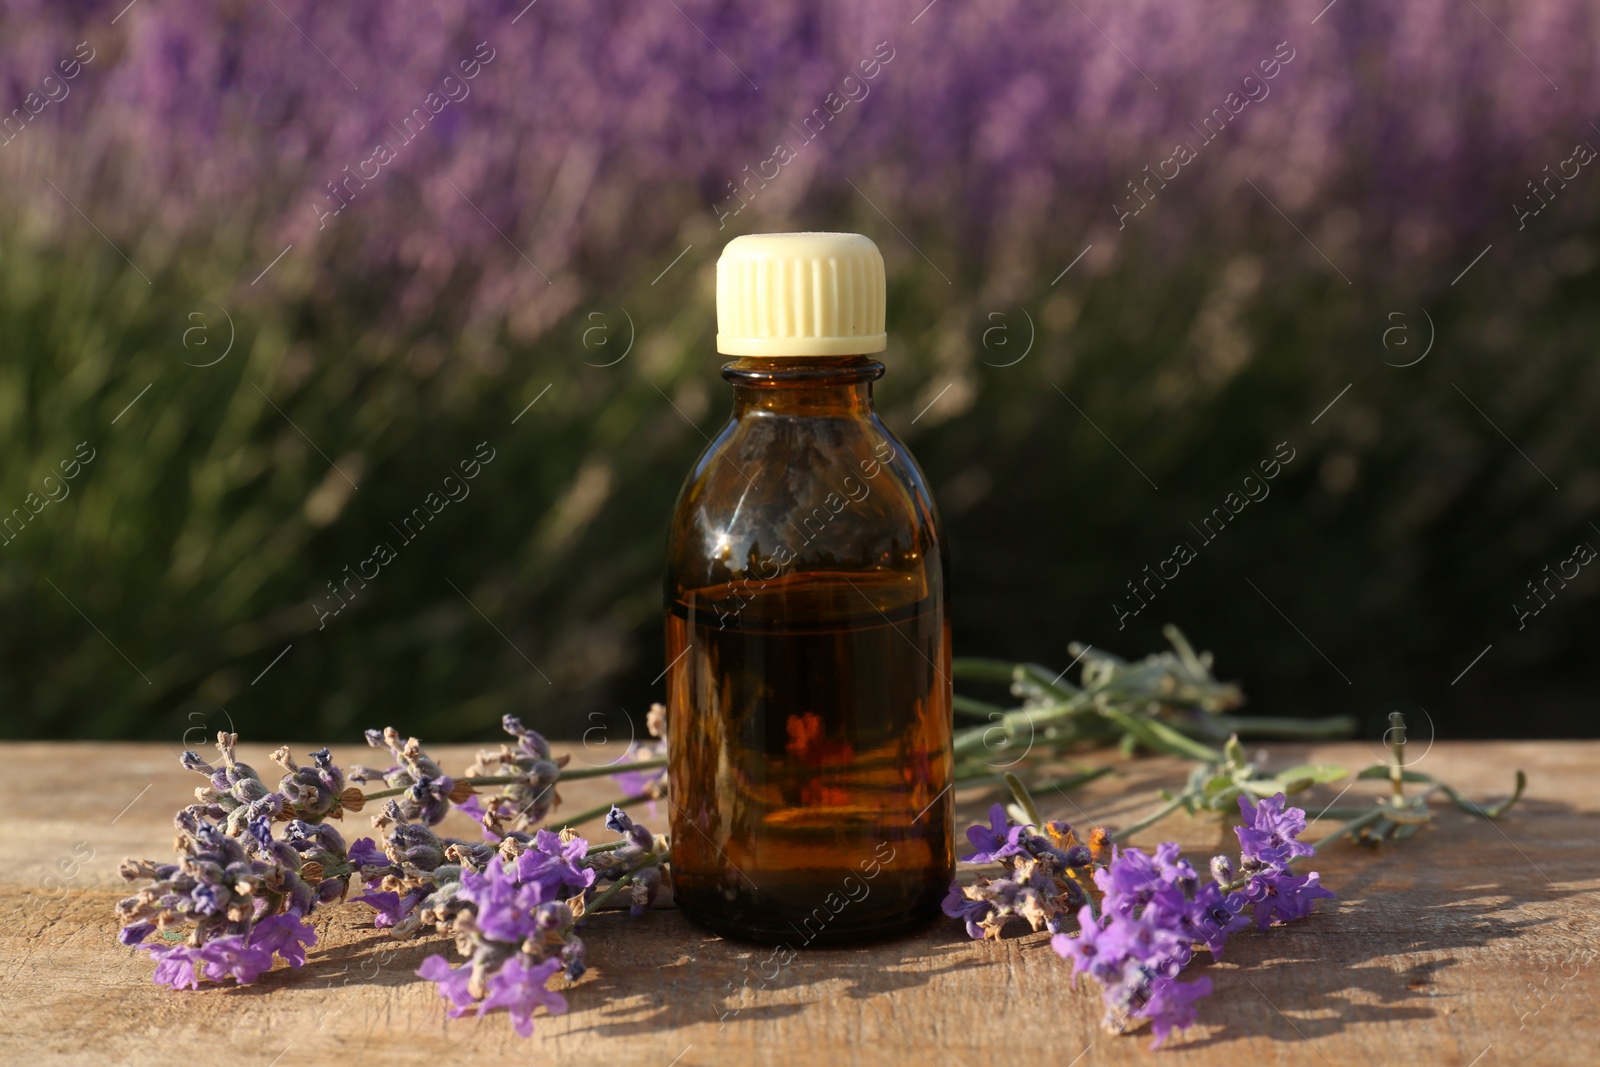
[808, 688]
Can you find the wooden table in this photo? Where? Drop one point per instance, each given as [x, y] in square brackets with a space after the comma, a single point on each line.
[1470, 944]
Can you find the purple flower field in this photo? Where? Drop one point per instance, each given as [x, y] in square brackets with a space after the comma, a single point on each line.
[343, 246]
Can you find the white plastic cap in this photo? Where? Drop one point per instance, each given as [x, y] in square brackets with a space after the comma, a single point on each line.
[800, 294]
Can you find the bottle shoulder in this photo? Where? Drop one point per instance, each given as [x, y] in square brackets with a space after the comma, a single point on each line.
[777, 495]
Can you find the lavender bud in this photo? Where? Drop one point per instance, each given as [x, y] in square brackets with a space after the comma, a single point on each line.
[1187, 879]
[1221, 869]
[135, 934]
[207, 899]
[428, 800]
[618, 821]
[415, 844]
[192, 761]
[552, 916]
[572, 959]
[646, 883]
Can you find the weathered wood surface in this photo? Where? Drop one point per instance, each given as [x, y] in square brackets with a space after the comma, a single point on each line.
[1470, 944]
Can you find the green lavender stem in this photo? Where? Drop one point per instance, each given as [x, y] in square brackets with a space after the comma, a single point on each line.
[397, 790]
[595, 812]
[1154, 817]
[566, 776]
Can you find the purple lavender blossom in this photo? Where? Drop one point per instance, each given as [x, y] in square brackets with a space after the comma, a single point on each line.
[519, 987]
[365, 854]
[517, 935]
[1171, 1006]
[452, 982]
[220, 894]
[527, 799]
[428, 799]
[288, 935]
[175, 964]
[313, 792]
[1270, 830]
[647, 783]
[1040, 884]
[555, 865]
[1278, 896]
[642, 891]
[415, 845]
[233, 957]
[1096, 950]
[1213, 916]
[1129, 880]
[390, 906]
[641, 783]
[620, 822]
[135, 933]
[505, 904]
[236, 793]
[997, 840]
[1155, 913]
[971, 911]
[411, 763]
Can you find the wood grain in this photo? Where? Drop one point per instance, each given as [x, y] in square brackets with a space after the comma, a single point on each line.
[1469, 945]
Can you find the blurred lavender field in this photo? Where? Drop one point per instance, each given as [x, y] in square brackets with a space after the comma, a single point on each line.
[284, 268]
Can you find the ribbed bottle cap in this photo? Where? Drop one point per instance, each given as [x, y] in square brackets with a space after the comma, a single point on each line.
[800, 294]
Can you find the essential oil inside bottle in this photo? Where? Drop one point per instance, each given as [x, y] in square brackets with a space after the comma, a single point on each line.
[807, 636]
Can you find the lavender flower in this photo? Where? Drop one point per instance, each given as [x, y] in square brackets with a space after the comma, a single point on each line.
[519, 987]
[513, 923]
[994, 842]
[528, 798]
[1171, 1005]
[516, 935]
[638, 860]
[237, 902]
[553, 863]
[321, 850]
[288, 935]
[317, 792]
[1213, 915]
[414, 845]
[175, 965]
[427, 791]
[505, 904]
[1044, 879]
[1268, 835]
[1096, 950]
[428, 799]
[392, 908]
[970, 909]
[452, 982]
[235, 794]
[1277, 896]
[365, 855]
[1154, 911]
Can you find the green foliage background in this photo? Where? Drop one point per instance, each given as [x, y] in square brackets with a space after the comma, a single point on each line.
[198, 537]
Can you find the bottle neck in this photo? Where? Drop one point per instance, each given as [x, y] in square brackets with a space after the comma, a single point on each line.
[830, 386]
